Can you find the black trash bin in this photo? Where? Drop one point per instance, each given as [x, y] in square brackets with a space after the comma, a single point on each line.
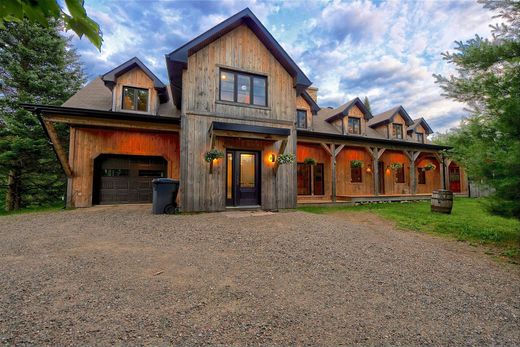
[165, 196]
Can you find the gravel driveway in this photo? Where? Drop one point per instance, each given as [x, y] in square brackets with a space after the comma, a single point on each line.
[119, 275]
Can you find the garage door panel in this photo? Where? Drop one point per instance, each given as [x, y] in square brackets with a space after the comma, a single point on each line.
[127, 179]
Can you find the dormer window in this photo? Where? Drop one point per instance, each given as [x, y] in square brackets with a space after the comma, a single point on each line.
[301, 119]
[398, 131]
[420, 137]
[135, 99]
[243, 88]
[354, 125]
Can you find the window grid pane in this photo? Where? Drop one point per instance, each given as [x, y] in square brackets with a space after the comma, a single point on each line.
[259, 97]
[227, 86]
[243, 89]
[301, 119]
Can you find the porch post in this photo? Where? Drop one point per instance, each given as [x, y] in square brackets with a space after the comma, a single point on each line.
[375, 153]
[412, 156]
[333, 165]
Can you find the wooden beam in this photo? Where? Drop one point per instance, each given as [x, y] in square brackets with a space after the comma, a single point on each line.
[245, 135]
[326, 148]
[340, 147]
[281, 150]
[211, 145]
[111, 123]
[60, 152]
[333, 164]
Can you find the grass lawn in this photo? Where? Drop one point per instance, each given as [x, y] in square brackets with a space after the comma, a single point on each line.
[469, 221]
[53, 207]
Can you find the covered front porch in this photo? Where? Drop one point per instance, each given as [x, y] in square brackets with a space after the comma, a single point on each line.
[349, 171]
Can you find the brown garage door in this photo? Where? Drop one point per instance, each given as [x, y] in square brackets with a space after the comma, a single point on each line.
[126, 179]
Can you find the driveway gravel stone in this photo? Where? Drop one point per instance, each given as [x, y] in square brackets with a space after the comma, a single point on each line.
[119, 275]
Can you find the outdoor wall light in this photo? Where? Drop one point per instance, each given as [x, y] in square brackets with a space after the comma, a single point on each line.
[369, 169]
[388, 172]
[272, 158]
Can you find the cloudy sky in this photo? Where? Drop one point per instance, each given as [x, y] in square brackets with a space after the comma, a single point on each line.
[386, 50]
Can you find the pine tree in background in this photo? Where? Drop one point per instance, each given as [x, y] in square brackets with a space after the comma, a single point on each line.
[367, 104]
[487, 143]
[37, 65]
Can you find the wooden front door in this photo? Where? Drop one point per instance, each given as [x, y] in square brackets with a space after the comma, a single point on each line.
[454, 175]
[382, 174]
[243, 178]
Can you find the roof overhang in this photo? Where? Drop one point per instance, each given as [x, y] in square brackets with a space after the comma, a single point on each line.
[77, 113]
[344, 112]
[309, 100]
[399, 110]
[177, 60]
[249, 131]
[370, 140]
[424, 124]
[110, 77]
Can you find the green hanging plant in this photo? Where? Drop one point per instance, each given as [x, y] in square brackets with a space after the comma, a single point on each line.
[356, 163]
[213, 154]
[286, 158]
[429, 166]
[396, 166]
[309, 161]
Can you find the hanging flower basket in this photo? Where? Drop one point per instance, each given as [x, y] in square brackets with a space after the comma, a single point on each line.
[429, 166]
[213, 154]
[286, 158]
[309, 161]
[356, 164]
[396, 166]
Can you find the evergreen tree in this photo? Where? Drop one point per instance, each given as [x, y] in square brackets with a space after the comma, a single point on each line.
[37, 65]
[367, 104]
[488, 80]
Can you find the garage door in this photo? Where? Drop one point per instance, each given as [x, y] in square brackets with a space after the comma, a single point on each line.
[126, 179]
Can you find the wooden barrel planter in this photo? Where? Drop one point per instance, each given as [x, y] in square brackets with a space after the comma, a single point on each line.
[442, 201]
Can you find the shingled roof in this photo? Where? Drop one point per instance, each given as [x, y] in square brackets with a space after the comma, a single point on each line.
[388, 117]
[423, 123]
[343, 110]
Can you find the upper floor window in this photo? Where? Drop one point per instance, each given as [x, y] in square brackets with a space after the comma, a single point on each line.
[398, 131]
[354, 125]
[135, 99]
[243, 88]
[301, 119]
[420, 137]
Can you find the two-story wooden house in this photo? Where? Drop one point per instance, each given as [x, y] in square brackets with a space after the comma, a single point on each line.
[235, 89]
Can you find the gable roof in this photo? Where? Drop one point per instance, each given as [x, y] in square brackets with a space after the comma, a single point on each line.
[388, 116]
[177, 60]
[309, 100]
[110, 77]
[342, 110]
[422, 122]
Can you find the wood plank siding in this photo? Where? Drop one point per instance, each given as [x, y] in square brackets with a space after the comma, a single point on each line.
[238, 50]
[86, 144]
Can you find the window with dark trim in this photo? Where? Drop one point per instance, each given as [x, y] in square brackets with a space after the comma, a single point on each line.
[135, 99]
[399, 174]
[301, 119]
[304, 179]
[243, 88]
[356, 174]
[398, 130]
[420, 137]
[421, 177]
[319, 181]
[311, 179]
[354, 125]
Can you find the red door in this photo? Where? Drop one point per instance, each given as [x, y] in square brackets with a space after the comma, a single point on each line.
[454, 178]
